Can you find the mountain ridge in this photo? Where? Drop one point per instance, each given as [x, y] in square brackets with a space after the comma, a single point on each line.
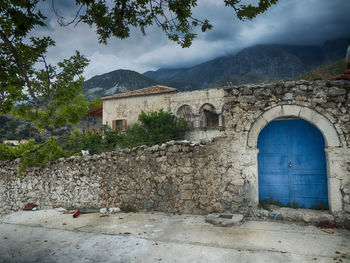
[116, 81]
[268, 61]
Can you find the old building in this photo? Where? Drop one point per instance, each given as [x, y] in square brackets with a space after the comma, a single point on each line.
[201, 109]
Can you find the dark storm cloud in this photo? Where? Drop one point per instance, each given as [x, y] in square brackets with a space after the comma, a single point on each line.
[289, 22]
[306, 22]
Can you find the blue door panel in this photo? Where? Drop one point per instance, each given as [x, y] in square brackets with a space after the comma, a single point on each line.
[292, 163]
[274, 163]
[276, 192]
[309, 202]
[312, 161]
[279, 178]
[316, 191]
[310, 179]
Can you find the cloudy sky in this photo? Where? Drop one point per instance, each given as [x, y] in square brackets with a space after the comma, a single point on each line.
[304, 22]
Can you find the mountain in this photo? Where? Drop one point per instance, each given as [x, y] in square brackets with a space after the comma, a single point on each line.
[115, 82]
[325, 71]
[270, 62]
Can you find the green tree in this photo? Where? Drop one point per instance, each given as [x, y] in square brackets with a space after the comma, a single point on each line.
[30, 87]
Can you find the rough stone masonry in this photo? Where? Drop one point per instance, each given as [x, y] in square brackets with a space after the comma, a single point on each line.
[213, 176]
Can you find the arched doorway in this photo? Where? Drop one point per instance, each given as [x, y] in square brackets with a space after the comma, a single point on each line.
[292, 164]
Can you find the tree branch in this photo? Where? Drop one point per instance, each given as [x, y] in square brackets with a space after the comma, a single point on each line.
[48, 80]
[19, 63]
[60, 18]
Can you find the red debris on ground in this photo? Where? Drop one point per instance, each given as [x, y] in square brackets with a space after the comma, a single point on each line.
[29, 206]
[104, 215]
[328, 231]
[76, 214]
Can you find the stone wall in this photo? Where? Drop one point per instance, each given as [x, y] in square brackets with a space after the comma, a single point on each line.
[174, 177]
[63, 183]
[325, 104]
[196, 178]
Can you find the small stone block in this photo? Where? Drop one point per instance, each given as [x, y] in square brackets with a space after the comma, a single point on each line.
[224, 219]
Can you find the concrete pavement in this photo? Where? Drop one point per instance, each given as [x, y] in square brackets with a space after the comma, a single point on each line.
[50, 236]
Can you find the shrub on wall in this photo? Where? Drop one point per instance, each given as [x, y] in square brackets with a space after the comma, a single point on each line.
[33, 154]
[135, 135]
[95, 141]
[42, 154]
[155, 127]
[78, 141]
[8, 152]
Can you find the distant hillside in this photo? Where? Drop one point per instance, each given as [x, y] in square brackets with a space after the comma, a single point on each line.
[270, 62]
[115, 82]
[325, 71]
[13, 128]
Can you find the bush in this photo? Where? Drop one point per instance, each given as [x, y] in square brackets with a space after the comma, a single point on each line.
[42, 154]
[95, 141]
[155, 127]
[110, 138]
[92, 141]
[135, 135]
[161, 126]
[77, 141]
[32, 154]
[8, 152]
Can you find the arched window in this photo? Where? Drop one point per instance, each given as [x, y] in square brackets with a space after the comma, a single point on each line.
[208, 116]
[185, 112]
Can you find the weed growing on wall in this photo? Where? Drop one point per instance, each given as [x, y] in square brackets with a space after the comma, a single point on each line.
[320, 206]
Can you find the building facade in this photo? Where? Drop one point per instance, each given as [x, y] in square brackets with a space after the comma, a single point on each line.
[201, 109]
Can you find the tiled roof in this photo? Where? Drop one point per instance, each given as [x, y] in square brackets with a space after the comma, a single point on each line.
[153, 90]
[345, 76]
[97, 112]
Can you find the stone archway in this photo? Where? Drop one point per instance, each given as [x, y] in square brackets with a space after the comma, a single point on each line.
[208, 116]
[322, 123]
[185, 112]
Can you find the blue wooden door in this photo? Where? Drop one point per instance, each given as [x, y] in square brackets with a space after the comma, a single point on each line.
[292, 164]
